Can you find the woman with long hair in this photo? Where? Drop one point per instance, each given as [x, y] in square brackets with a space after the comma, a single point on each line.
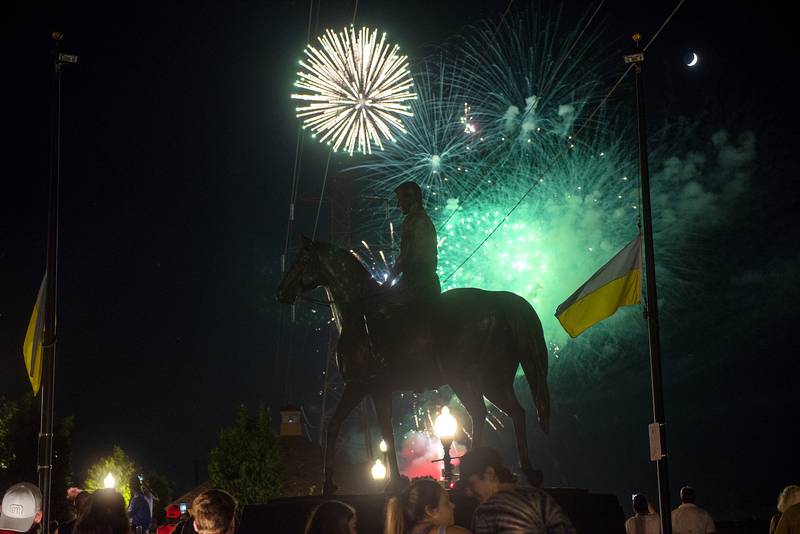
[332, 517]
[423, 508]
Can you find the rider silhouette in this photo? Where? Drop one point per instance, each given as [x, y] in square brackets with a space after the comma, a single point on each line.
[413, 283]
[418, 256]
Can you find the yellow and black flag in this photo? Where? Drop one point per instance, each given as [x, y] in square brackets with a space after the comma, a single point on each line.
[32, 346]
[618, 283]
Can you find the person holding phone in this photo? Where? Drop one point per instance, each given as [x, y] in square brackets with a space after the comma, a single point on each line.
[139, 508]
[185, 524]
[173, 513]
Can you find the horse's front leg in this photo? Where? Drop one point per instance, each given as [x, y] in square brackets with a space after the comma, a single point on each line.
[383, 410]
[351, 396]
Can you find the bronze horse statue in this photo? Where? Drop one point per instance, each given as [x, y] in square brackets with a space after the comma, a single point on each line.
[470, 339]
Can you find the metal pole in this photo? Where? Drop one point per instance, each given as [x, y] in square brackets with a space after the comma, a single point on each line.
[45, 459]
[329, 355]
[658, 438]
[448, 464]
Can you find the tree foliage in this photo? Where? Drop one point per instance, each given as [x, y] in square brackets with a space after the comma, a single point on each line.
[120, 465]
[160, 485]
[246, 462]
[19, 443]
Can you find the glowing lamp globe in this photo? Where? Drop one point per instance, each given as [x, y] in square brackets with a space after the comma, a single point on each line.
[378, 470]
[445, 424]
[382, 446]
[109, 482]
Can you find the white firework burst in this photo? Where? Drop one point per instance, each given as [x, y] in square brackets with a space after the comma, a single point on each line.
[439, 145]
[357, 87]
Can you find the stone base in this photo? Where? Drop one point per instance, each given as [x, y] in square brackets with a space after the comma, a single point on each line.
[591, 513]
[596, 513]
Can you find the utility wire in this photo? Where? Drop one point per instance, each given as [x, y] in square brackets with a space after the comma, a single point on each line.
[669, 18]
[544, 91]
[282, 340]
[562, 152]
[298, 157]
[503, 17]
[321, 194]
[571, 48]
[328, 162]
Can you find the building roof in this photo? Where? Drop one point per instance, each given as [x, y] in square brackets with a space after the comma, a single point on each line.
[303, 470]
[189, 496]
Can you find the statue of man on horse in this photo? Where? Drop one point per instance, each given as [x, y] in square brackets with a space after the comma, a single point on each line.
[406, 301]
[411, 338]
[418, 255]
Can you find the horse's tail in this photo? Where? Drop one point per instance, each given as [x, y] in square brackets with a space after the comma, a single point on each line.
[533, 357]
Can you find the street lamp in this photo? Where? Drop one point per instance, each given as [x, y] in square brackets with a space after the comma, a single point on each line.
[446, 427]
[378, 470]
[109, 482]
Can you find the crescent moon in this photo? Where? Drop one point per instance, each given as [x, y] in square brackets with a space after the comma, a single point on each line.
[694, 60]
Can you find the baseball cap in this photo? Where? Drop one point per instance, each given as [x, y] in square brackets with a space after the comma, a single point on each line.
[20, 504]
[173, 511]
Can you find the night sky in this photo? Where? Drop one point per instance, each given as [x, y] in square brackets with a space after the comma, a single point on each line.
[178, 144]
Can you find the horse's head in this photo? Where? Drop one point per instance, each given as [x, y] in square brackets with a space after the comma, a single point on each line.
[305, 274]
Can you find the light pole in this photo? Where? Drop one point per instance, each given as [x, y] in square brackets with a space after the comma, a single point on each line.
[45, 446]
[658, 439]
[446, 427]
[384, 449]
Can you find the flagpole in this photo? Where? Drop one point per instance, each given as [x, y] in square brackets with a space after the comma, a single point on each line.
[45, 457]
[658, 440]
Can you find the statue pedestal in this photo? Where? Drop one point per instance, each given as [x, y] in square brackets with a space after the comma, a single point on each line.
[598, 513]
[590, 513]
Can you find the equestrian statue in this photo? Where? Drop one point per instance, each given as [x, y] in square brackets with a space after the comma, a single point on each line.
[404, 335]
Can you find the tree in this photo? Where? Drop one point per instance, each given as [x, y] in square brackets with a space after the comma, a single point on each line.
[121, 466]
[246, 462]
[19, 442]
[7, 410]
[160, 486]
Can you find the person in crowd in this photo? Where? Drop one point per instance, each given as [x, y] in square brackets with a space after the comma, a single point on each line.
[773, 523]
[214, 512]
[185, 525]
[103, 513]
[153, 504]
[139, 508]
[688, 518]
[464, 501]
[423, 508]
[332, 517]
[505, 506]
[790, 518]
[173, 516]
[644, 522]
[72, 494]
[78, 501]
[21, 510]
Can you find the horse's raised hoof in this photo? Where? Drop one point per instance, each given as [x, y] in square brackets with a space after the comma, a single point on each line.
[535, 477]
[329, 488]
[396, 485]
